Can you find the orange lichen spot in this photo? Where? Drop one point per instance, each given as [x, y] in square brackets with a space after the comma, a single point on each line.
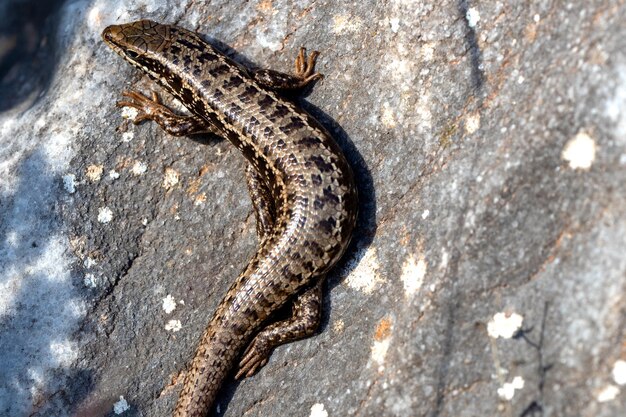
[405, 238]
[530, 32]
[94, 172]
[124, 162]
[200, 199]
[194, 186]
[265, 5]
[383, 330]
[204, 170]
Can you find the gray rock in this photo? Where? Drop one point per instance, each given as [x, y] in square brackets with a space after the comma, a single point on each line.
[488, 274]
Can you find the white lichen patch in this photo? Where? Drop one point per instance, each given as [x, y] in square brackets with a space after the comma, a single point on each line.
[473, 17]
[399, 68]
[113, 175]
[90, 281]
[423, 113]
[616, 105]
[365, 276]
[38, 379]
[58, 149]
[11, 285]
[169, 304]
[94, 172]
[127, 136]
[139, 168]
[387, 116]
[504, 325]
[425, 214]
[89, 262]
[608, 393]
[580, 151]
[317, 410]
[413, 273]
[395, 24]
[7, 126]
[105, 215]
[170, 178]
[507, 390]
[69, 183]
[64, 352]
[173, 325]
[379, 351]
[619, 372]
[121, 406]
[427, 51]
[40, 123]
[472, 123]
[346, 23]
[445, 257]
[13, 239]
[338, 326]
[130, 113]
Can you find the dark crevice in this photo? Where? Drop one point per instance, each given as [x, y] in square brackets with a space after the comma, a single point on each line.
[535, 408]
[475, 53]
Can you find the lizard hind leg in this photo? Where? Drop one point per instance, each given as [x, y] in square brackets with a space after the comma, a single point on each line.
[304, 321]
[264, 208]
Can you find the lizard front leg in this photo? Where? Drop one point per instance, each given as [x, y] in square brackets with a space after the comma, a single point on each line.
[290, 83]
[179, 125]
[172, 123]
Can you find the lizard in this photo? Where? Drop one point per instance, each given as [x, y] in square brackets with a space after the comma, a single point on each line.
[301, 186]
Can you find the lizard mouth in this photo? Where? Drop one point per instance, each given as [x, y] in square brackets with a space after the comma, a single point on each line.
[118, 40]
[113, 35]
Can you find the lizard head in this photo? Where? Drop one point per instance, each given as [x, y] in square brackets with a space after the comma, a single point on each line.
[141, 43]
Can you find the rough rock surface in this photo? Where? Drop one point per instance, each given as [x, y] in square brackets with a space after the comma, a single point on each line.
[488, 276]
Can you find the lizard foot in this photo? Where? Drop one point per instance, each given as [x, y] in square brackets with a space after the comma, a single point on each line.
[305, 67]
[254, 358]
[148, 108]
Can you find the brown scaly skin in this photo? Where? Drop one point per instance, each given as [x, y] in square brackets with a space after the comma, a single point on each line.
[301, 186]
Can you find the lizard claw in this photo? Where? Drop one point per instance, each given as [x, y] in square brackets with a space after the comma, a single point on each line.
[254, 358]
[305, 66]
[146, 107]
